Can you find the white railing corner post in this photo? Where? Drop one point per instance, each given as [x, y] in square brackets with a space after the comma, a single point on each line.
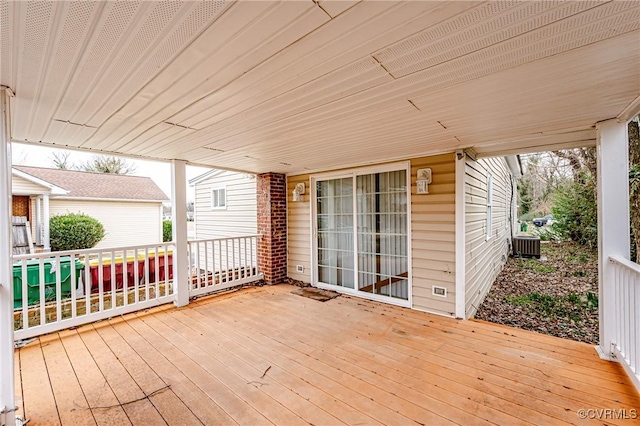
[613, 221]
[7, 385]
[181, 272]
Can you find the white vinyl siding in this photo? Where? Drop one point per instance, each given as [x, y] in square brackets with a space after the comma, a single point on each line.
[237, 218]
[126, 223]
[489, 219]
[299, 230]
[21, 186]
[432, 237]
[489, 199]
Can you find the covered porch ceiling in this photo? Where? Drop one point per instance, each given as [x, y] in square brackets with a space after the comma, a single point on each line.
[311, 85]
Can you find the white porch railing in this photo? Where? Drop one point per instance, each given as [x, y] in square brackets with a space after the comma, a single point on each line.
[54, 291]
[627, 321]
[221, 263]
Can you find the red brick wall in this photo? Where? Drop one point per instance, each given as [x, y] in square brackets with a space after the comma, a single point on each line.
[271, 191]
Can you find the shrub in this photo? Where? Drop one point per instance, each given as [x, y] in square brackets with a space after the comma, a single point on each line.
[167, 231]
[547, 233]
[74, 231]
[528, 217]
[575, 211]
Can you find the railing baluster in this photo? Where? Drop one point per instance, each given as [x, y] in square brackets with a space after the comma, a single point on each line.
[88, 285]
[147, 275]
[636, 336]
[198, 269]
[41, 292]
[58, 287]
[125, 277]
[157, 262]
[25, 296]
[100, 283]
[74, 285]
[233, 258]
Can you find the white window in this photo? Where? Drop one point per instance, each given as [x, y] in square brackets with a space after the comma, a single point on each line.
[489, 204]
[219, 198]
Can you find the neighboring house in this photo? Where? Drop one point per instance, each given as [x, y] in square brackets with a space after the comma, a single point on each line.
[368, 232]
[129, 207]
[225, 204]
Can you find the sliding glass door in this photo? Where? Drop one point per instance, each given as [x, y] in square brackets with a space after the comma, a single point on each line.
[335, 232]
[362, 233]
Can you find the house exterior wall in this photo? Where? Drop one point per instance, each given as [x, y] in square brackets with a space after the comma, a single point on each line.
[432, 236]
[484, 258]
[125, 223]
[239, 216]
[21, 186]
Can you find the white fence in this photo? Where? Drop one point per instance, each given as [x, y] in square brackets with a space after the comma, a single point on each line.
[221, 263]
[54, 291]
[627, 321]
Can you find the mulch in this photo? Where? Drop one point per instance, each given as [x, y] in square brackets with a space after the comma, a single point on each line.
[556, 295]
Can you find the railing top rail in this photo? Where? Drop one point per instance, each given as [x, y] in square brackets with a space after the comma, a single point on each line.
[89, 251]
[626, 263]
[225, 238]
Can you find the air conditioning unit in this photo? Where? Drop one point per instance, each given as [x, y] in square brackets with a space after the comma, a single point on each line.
[525, 246]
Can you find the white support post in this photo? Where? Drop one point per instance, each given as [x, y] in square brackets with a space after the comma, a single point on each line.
[613, 220]
[181, 273]
[39, 221]
[45, 222]
[461, 161]
[7, 385]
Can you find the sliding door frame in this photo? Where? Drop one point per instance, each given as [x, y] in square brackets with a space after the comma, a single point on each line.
[353, 173]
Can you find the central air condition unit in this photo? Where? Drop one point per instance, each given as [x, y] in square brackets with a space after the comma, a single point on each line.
[525, 246]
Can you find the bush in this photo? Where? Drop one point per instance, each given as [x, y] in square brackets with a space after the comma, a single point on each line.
[528, 217]
[548, 233]
[575, 211]
[74, 231]
[167, 231]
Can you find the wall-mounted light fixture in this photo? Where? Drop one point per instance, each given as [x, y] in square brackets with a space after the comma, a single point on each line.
[423, 180]
[298, 191]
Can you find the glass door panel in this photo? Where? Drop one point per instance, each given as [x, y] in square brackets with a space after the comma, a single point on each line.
[382, 234]
[334, 206]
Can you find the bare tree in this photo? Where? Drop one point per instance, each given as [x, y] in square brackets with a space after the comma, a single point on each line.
[61, 160]
[109, 164]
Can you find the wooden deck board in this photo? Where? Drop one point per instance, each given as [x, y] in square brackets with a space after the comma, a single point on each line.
[346, 361]
[138, 409]
[201, 406]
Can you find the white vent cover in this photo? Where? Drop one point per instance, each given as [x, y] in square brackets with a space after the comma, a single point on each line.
[439, 291]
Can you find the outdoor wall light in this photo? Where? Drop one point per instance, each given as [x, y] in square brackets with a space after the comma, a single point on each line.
[423, 180]
[298, 191]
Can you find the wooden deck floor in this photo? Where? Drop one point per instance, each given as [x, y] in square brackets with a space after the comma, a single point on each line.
[266, 356]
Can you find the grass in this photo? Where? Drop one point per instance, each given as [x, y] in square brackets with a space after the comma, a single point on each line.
[534, 265]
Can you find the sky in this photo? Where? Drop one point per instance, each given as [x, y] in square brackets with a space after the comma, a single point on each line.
[159, 172]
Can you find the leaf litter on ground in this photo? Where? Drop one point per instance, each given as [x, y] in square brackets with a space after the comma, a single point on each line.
[557, 295]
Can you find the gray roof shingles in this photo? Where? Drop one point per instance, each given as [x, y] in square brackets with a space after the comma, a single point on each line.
[99, 185]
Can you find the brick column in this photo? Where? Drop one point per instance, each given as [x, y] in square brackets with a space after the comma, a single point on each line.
[271, 191]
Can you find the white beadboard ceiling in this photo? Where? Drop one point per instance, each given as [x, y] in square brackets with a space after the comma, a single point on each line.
[311, 85]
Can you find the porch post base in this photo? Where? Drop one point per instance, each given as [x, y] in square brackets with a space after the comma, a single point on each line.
[604, 354]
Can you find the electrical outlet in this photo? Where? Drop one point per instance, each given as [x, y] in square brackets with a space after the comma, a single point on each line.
[300, 269]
